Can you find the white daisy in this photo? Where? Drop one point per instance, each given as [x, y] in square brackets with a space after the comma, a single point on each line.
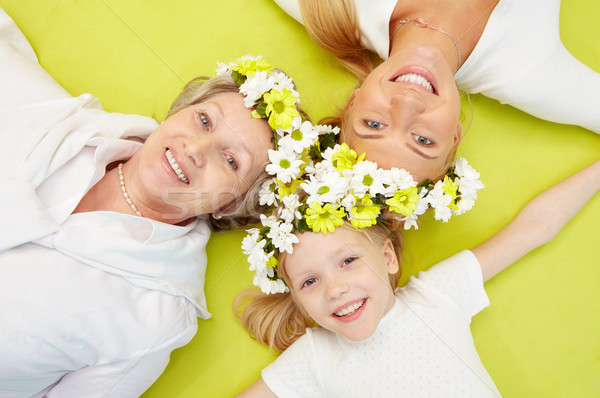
[349, 202]
[255, 86]
[326, 129]
[268, 285]
[296, 123]
[328, 189]
[440, 201]
[282, 81]
[266, 195]
[268, 221]
[250, 241]
[285, 164]
[223, 69]
[290, 212]
[282, 237]
[301, 138]
[366, 178]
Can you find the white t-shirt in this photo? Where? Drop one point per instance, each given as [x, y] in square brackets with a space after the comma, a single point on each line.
[91, 304]
[423, 347]
[519, 59]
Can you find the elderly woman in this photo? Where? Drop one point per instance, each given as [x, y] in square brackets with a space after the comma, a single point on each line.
[105, 219]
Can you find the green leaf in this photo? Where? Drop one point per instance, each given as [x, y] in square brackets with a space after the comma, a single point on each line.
[303, 226]
[261, 108]
[238, 78]
[315, 152]
[328, 141]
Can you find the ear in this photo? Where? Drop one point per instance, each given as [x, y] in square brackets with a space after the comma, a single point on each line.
[458, 135]
[352, 97]
[390, 257]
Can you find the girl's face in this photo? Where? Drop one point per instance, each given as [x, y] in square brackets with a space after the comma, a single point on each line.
[406, 112]
[201, 159]
[341, 280]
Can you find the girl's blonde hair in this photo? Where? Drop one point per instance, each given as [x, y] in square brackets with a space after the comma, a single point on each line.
[246, 209]
[277, 320]
[333, 25]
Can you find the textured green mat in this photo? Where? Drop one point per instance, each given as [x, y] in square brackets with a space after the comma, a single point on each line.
[540, 336]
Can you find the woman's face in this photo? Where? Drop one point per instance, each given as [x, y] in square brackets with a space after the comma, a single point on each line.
[201, 159]
[406, 112]
[341, 280]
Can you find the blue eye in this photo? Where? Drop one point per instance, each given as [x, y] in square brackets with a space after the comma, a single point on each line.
[348, 260]
[309, 282]
[372, 124]
[204, 119]
[424, 141]
[232, 163]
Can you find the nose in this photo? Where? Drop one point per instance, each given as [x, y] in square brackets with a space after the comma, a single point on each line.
[407, 103]
[198, 148]
[336, 287]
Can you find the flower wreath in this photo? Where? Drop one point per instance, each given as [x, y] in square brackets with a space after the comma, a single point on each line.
[271, 92]
[318, 185]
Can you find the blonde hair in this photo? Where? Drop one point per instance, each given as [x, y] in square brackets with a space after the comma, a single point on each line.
[246, 209]
[278, 320]
[333, 25]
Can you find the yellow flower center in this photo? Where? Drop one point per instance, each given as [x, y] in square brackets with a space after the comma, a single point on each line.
[284, 163]
[278, 106]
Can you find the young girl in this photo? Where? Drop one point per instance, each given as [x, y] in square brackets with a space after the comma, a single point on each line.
[374, 342]
[406, 112]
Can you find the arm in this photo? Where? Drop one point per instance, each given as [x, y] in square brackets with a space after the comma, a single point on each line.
[257, 389]
[539, 221]
[129, 378]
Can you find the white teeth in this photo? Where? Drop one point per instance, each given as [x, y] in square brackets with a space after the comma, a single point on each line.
[175, 166]
[417, 79]
[350, 309]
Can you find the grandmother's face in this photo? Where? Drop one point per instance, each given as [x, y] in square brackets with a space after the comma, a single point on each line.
[202, 158]
[406, 112]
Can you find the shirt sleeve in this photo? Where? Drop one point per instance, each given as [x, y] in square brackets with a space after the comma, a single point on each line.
[292, 7]
[457, 281]
[293, 374]
[22, 79]
[113, 380]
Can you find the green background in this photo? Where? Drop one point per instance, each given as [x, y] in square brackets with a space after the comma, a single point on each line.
[541, 335]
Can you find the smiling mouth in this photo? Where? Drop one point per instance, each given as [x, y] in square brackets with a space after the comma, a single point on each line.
[351, 309]
[175, 166]
[417, 79]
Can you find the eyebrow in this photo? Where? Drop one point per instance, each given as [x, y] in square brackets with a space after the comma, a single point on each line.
[418, 152]
[375, 136]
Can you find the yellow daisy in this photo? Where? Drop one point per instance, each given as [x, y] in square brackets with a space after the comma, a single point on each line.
[281, 108]
[323, 219]
[364, 213]
[404, 201]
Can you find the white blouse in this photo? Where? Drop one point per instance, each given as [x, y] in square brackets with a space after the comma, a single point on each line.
[92, 303]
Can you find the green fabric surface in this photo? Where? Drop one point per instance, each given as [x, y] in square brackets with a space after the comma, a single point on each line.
[539, 337]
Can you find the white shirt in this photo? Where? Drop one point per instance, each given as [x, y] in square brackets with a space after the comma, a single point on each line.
[519, 59]
[422, 347]
[92, 303]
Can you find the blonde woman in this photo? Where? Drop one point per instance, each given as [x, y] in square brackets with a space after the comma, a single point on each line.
[406, 111]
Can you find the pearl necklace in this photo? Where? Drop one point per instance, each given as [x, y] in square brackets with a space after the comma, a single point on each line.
[124, 190]
[423, 24]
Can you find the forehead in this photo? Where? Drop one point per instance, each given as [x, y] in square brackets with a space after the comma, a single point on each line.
[316, 246]
[237, 128]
